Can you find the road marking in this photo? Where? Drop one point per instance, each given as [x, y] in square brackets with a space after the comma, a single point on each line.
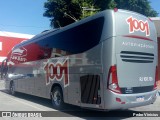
[11, 97]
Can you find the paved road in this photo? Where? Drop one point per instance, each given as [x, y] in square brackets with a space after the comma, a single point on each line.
[23, 102]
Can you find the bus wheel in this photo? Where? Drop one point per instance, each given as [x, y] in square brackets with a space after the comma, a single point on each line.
[12, 88]
[57, 98]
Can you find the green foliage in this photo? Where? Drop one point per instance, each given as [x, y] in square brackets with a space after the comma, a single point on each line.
[140, 6]
[56, 9]
[64, 12]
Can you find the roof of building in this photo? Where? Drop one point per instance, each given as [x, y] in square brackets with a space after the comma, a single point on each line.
[17, 35]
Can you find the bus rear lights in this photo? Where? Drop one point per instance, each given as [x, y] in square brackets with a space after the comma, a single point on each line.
[120, 101]
[114, 87]
[156, 79]
[123, 102]
[113, 80]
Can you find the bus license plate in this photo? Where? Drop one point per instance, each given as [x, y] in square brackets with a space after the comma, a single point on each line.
[140, 99]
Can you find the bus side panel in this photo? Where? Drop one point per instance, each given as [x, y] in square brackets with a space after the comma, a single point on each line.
[19, 75]
[108, 61]
[86, 81]
[72, 92]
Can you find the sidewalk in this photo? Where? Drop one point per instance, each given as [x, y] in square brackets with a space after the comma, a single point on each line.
[2, 85]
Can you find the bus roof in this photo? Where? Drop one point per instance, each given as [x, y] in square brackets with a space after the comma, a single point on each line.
[110, 12]
[55, 31]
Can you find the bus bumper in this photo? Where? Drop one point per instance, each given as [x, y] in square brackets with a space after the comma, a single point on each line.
[125, 101]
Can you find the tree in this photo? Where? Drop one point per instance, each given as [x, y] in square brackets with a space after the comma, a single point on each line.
[94, 6]
[140, 6]
[64, 12]
[60, 11]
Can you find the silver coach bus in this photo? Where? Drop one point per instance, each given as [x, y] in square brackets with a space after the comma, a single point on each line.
[107, 61]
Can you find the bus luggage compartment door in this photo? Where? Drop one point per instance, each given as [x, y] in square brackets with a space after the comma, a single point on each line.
[91, 95]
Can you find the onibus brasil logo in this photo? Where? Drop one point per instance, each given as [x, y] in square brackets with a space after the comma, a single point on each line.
[57, 70]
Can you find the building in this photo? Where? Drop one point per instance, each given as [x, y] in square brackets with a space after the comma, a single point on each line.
[8, 40]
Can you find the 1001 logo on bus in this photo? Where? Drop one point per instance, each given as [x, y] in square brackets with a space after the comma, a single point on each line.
[138, 25]
[57, 71]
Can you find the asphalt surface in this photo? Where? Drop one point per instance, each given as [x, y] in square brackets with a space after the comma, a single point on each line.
[22, 103]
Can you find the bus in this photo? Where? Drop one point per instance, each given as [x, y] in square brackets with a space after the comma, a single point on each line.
[107, 61]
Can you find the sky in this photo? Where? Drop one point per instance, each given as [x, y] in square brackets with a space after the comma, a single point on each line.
[23, 16]
[26, 16]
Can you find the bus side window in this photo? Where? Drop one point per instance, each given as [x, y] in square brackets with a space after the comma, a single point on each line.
[58, 53]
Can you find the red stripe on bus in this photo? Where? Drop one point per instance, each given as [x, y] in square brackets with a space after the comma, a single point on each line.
[139, 37]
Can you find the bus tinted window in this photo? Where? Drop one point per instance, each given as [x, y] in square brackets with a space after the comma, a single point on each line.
[71, 41]
[78, 39]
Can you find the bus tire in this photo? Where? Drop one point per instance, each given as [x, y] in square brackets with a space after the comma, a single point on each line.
[57, 98]
[12, 88]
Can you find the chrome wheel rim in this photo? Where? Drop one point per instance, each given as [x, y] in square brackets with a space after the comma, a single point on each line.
[57, 98]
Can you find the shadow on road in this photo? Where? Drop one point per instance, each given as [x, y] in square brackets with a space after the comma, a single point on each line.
[74, 111]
